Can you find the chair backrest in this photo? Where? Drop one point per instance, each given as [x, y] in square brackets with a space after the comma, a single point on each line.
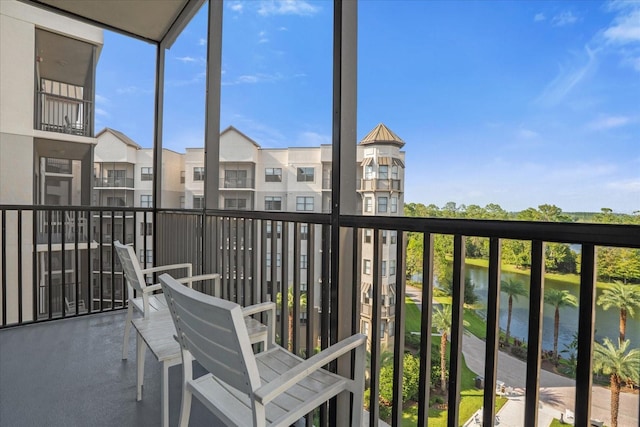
[214, 332]
[130, 266]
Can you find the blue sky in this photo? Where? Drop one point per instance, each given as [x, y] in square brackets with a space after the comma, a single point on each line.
[511, 102]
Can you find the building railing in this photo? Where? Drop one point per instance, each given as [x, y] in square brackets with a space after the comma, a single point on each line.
[62, 114]
[380, 184]
[237, 182]
[113, 182]
[257, 267]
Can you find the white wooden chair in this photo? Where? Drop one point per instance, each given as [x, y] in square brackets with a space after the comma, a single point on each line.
[144, 300]
[274, 387]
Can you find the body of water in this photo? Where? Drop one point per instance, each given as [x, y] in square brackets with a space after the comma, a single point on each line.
[606, 321]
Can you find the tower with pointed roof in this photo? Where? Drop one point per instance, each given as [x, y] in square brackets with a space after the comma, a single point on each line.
[381, 190]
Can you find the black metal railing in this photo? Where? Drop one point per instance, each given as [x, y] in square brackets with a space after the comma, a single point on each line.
[62, 114]
[292, 267]
[248, 183]
[115, 182]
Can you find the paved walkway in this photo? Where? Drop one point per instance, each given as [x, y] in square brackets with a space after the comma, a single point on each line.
[557, 393]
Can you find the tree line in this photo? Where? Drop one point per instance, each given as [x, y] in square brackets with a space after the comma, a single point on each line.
[613, 263]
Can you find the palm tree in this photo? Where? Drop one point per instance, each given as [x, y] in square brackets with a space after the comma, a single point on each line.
[624, 297]
[620, 364]
[303, 307]
[558, 298]
[441, 320]
[513, 288]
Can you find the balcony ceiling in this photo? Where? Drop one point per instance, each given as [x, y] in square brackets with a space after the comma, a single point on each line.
[63, 59]
[151, 20]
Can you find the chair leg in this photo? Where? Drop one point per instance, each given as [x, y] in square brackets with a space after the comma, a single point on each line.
[127, 330]
[140, 351]
[187, 375]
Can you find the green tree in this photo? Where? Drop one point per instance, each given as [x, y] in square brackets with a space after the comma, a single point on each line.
[513, 288]
[442, 322]
[290, 300]
[517, 252]
[621, 366]
[626, 298]
[558, 298]
[559, 257]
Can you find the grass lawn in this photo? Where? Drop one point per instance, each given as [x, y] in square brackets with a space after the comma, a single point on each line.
[471, 398]
[470, 402]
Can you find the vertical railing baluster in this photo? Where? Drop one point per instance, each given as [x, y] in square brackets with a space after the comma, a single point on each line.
[4, 267]
[284, 324]
[311, 292]
[493, 332]
[425, 329]
[77, 257]
[534, 345]
[50, 260]
[63, 282]
[325, 301]
[101, 268]
[36, 219]
[398, 359]
[295, 339]
[457, 327]
[376, 314]
[586, 321]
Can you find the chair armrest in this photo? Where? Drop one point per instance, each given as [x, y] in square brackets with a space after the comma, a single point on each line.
[259, 308]
[186, 265]
[213, 276]
[269, 391]
[152, 288]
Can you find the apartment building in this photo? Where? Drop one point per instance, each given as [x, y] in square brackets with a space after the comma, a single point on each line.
[47, 81]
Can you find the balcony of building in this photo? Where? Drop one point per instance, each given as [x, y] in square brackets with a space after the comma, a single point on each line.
[375, 184]
[65, 80]
[209, 240]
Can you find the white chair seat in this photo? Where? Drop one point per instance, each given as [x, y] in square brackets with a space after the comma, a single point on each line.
[157, 302]
[293, 404]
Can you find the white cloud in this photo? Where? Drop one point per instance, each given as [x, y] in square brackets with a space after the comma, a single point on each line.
[629, 185]
[197, 78]
[564, 18]
[129, 90]
[263, 40]
[282, 29]
[236, 6]
[314, 139]
[623, 34]
[262, 37]
[102, 100]
[538, 17]
[254, 78]
[609, 122]
[186, 59]
[202, 42]
[101, 112]
[567, 80]
[287, 7]
[527, 134]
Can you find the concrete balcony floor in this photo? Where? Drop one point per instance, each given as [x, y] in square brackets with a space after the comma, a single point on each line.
[71, 373]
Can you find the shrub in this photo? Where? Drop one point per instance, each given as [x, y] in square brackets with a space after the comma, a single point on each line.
[519, 352]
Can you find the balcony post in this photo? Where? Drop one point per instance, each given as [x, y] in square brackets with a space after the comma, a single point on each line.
[343, 201]
[212, 106]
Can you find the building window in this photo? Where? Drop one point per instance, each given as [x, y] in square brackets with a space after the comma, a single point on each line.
[384, 268]
[303, 262]
[273, 174]
[392, 267]
[392, 328]
[365, 328]
[235, 203]
[146, 201]
[368, 172]
[304, 203]
[148, 256]
[182, 174]
[198, 202]
[394, 237]
[367, 235]
[305, 174]
[394, 205]
[384, 237]
[235, 179]
[146, 228]
[181, 202]
[382, 330]
[198, 174]
[382, 204]
[277, 262]
[367, 266]
[383, 172]
[304, 231]
[146, 174]
[394, 172]
[272, 203]
[303, 287]
[368, 204]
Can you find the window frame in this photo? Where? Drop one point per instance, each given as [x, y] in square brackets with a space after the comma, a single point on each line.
[198, 173]
[273, 176]
[302, 174]
[385, 204]
[306, 207]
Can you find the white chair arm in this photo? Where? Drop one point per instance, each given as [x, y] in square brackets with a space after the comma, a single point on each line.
[166, 267]
[269, 391]
[259, 308]
[189, 280]
[152, 288]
